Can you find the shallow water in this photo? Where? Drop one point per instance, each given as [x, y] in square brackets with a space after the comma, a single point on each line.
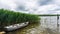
[48, 26]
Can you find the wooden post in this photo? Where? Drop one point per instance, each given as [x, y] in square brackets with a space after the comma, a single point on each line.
[57, 24]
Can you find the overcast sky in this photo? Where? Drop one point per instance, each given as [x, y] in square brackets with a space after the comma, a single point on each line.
[32, 6]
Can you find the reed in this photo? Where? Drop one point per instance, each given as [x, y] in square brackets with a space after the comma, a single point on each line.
[8, 17]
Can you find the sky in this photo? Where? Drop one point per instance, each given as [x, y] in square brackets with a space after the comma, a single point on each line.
[32, 6]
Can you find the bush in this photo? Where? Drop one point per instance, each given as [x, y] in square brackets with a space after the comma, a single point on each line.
[8, 17]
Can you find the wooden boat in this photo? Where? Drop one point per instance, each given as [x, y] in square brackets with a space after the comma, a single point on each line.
[15, 26]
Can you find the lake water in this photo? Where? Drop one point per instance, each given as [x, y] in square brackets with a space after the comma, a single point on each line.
[47, 25]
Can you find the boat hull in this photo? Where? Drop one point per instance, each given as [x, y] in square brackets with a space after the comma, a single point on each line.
[15, 26]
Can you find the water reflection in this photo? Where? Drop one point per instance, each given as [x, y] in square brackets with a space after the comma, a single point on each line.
[48, 26]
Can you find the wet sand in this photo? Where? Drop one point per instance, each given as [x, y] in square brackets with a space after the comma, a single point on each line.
[2, 32]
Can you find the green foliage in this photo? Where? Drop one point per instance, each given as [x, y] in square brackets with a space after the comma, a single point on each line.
[8, 17]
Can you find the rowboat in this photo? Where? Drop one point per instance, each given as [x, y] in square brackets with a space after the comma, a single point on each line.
[15, 26]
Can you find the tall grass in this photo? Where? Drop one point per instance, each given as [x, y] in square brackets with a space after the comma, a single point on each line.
[8, 17]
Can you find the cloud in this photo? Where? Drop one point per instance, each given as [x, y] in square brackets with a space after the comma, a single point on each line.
[7, 4]
[32, 6]
[57, 2]
[47, 9]
[18, 4]
[27, 4]
[44, 2]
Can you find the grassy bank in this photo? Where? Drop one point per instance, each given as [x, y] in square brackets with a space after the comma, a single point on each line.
[8, 17]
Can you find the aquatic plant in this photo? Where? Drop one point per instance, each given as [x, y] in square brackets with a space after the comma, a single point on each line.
[8, 17]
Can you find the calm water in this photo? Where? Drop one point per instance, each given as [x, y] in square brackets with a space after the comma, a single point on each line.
[48, 26]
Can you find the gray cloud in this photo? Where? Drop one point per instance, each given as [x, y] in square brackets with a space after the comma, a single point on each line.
[32, 6]
[44, 2]
[21, 7]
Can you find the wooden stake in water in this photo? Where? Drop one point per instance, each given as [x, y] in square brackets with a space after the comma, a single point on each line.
[57, 24]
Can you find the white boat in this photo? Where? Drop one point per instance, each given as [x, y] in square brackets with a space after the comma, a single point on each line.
[15, 26]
